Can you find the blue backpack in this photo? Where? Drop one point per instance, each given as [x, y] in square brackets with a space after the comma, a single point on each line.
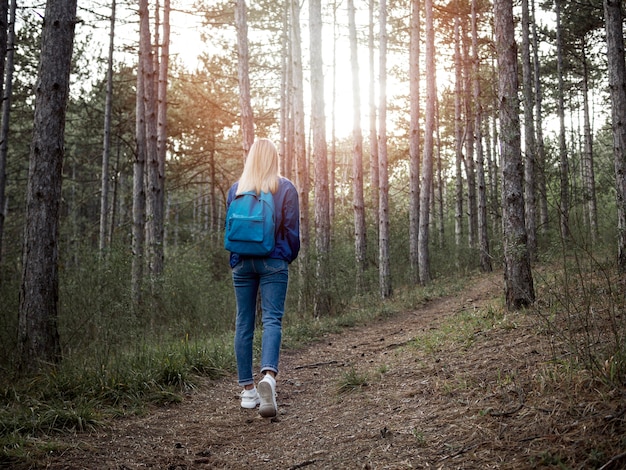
[250, 223]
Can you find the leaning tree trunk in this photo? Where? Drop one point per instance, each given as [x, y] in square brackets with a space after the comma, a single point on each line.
[427, 163]
[518, 279]
[321, 305]
[357, 155]
[38, 337]
[617, 85]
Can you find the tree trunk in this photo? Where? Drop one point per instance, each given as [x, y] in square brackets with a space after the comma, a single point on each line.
[483, 233]
[321, 304]
[589, 179]
[383, 182]
[470, 163]
[8, 44]
[563, 159]
[458, 134]
[162, 136]
[529, 136]
[540, 163]
[154, 251]
[247, 117]
[518, 279]
[414, 141]
[302, 172]
[38, 338]
[357, 172]
[139, 191]
[617, 86]
[427, 163]
[106, 146]
[374, 177]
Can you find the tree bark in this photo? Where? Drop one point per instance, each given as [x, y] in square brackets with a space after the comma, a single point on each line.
[519, 290]
[38, 338]
[617, 86]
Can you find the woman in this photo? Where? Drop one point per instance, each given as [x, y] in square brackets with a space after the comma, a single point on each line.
[270, 274]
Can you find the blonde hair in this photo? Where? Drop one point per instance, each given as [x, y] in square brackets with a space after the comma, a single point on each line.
[260, 172]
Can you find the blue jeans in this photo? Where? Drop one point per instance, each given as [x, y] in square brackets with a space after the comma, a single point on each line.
[271, 276]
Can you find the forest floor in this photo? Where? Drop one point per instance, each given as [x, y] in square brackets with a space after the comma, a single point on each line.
[494, 400]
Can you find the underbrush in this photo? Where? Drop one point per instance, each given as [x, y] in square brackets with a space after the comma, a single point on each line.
[120, 361]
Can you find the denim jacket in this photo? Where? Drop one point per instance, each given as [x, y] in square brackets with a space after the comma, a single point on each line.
[287, 213]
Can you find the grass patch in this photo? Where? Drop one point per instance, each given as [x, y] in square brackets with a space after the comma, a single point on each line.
[351, 381]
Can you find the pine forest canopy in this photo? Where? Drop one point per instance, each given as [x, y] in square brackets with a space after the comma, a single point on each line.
[177, 88]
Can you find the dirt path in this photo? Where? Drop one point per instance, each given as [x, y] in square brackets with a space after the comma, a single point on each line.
[467, 408]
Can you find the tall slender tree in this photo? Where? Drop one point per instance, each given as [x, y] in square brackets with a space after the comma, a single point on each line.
[414, 140]
[247, 116]
[458, 132]
[38, 336]
[540, 155]
[427, 162]
[360, 247]
[106, 145]
[529, 134]
[384, 270]
[8, 44]
[617, 85]
[154, 247]
[519, 289]
[139, 191]
[321, 304]
[483, 232]
[299, 145]
[564, 203]
[162, 106]
[373, 132]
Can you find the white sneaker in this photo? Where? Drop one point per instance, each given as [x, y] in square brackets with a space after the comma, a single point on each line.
[267, 393]
[250, 398]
